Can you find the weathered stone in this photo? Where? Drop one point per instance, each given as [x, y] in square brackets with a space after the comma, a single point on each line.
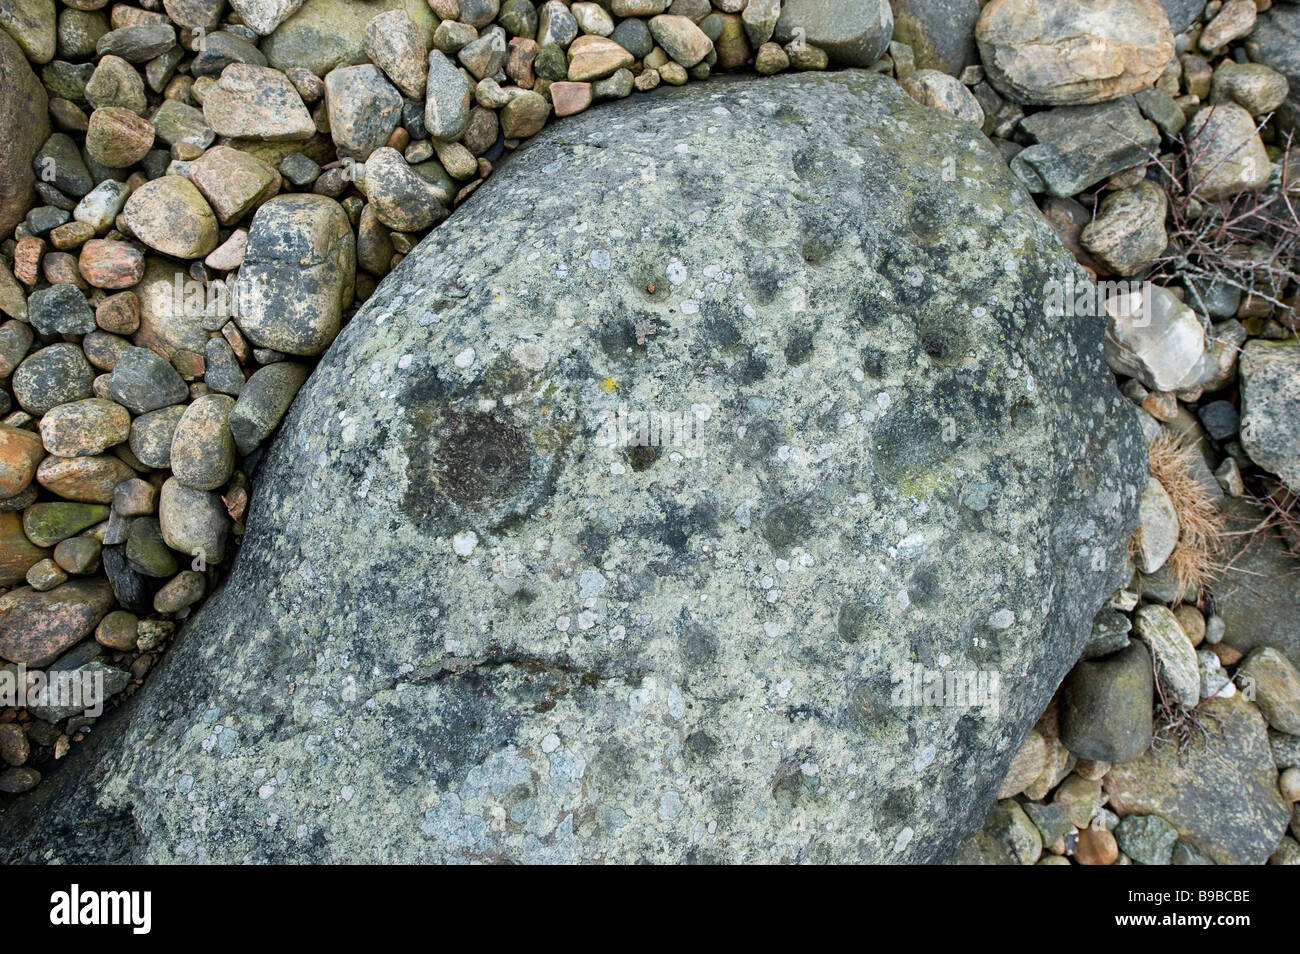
[395, 44]
[681, 39]
[594, 57]
[32, 25]
[1105, 706]
[1188, 788]
[85, 428]
[1158, 529]
[447, 100]
[263, 16]
[1256, 88]
[944, 93]
[851, 35]
[364, 109]
[1008, 837]
[1128, 233]
[151, 435]
[1275, 685]
[171, 216]
[941, 33]
[143, 381]
[401, 198]
[417, 492]
[256, 102]
[1228, 154]
[324, 34]
[297, 275]
[24, 127]
[17, 553]
[525, 115]
[1075, 147]
[263, 402]
[137, 42]
[1270, 406]
[1174, 656]
[193, 521]
[52, 376]
[203, 451]
[35, 628]
[20, 453]
[109, 264]
[1154, 337]
[1073, 52]
[84, 479]
[60, 310]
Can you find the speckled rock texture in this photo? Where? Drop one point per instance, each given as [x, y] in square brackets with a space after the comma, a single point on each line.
[464, 627]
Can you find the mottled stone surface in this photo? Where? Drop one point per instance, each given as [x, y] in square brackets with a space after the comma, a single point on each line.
[24, 127]
[1221, 796]
[464, 627]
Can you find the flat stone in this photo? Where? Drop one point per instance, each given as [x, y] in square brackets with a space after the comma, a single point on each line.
[35, 628]
[84, 479]
[324, 34]
[1073, 52]
[595, 57]
[297, 274]
[1187, 788]
[146, 552]
[137, 42]
[1075, 147]
[257, 102]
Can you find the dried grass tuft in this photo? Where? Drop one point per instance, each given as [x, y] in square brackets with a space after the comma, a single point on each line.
[1195, 560]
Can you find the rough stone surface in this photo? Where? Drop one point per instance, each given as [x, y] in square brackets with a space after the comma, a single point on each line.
[1270, 405]
[1105, 706]
[1221, 797]
[516, 611]
[852, 34]
[24, 127]
[1072, 52]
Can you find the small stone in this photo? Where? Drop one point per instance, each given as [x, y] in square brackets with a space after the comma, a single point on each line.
[1228, 154]
[1096, 846]
[119, 314]
[52, 376]
[17, 553]
[45, 575]
[555, 24]
[15, 781]
[1027, 764]
[570, 98]
[100, 207]
[448, 98]
[1235, 19]
[394, 43]
[1174, 655]
[401, 198]
[1106, 706]
[60, 310]
[593, 58]
[203, 450]
[257, 102]
[146, 552]
[944, 93]
[263, 16]
[297, 275]
[681, 39]
[1254, 87]
[485, 56]
[171, 216]
[84, 479]
[634, 36]
[1147, 839]
[525, 115]
[138, 42]
[1154, 337]
[115, 82]
[111, 265]
[85, 428]
[1270, 406]
[594, 19]
[364, 109]
[117, 137]
[152, 433]
[1275, 684]
[263, 402]
[14, 747]
[456, 159]
[142, 381]
[79, 555]
[1158, 529]
[60, 159]
[1128, 233]
[177, 123]
[234, 182]
[117, 631]
[193, 522]
[20, 454]
[229, 255]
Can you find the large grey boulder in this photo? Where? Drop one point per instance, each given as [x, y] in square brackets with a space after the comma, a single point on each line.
[469, 622]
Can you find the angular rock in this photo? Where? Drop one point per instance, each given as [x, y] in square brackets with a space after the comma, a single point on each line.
[233, 181]
[1154, 337]
[402, 199]
[941, 33]
[482, 436]
[263, 16]
[1158, 529]
[142, 381]
[1008, 837]
[448, 98]
[257, 102]
[1075, 147]
[1128, 233]
[364, 109]
[1188, 789]
[324, 34]
[1270, 406]
[1228, 154]
[1146, 839]
[395, 44]
[1174, 655]
[297, 275]
[60, 310]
